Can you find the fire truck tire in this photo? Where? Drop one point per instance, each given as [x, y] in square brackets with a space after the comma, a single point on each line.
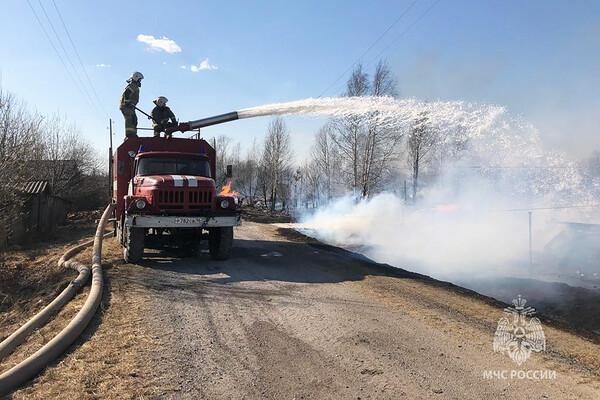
[220, 241]
[133, 249]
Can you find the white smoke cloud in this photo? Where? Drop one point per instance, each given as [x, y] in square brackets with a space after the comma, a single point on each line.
[470, 233]
[159, 44]
[102, 65]
[474, 218]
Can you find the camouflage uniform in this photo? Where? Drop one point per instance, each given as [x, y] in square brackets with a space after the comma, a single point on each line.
[129, 99]
[160, 119]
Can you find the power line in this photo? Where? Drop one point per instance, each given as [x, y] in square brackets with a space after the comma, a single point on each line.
[562, 207]
[58, 39]
[404, 32]
[78, 56]
[553, 207]
[520, 167]
[69, 74]
[370, 47]
[68, 58]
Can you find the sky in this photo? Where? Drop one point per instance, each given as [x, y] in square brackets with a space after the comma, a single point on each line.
[540, 59]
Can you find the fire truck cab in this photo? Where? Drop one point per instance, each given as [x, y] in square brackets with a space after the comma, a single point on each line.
[164, 193]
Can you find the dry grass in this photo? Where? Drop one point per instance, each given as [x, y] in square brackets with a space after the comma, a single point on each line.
[30, 277]
[110, 359]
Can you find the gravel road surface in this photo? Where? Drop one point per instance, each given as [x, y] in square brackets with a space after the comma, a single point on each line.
[286, 317]
[289, 318]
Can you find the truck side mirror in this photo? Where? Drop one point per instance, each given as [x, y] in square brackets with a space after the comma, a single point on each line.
[229, 172]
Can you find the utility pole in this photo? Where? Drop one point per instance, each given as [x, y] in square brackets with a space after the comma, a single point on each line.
[110, 159]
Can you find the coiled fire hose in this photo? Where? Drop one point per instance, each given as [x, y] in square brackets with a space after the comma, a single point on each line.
[35, 363]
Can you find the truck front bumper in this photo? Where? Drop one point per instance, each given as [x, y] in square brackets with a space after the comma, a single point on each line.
[156, 221]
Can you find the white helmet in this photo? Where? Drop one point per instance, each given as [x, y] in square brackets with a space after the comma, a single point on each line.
[136, 77]
[161, 101]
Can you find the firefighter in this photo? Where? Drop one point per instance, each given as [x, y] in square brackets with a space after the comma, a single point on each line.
[129, 99]
[161, 114]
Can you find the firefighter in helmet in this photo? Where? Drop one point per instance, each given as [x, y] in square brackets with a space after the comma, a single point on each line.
[129, 99]
[162, 116]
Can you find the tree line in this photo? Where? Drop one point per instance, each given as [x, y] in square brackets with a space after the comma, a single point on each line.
[36, 147]
[357, 154]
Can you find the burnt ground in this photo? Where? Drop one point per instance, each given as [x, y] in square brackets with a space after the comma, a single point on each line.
[572, 307]
[288, 317]
[265, 215]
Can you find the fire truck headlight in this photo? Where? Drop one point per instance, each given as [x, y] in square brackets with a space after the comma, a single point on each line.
[224, 203]
[140, 204]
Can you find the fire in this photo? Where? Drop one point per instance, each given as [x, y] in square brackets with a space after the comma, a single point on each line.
[226, 190]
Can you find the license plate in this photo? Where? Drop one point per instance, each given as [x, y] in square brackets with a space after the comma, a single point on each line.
[189, 221]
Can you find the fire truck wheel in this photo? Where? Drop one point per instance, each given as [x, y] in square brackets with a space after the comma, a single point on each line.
[133, 250]
[220, 241]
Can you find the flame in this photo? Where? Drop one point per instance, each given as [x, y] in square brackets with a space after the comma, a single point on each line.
[226, 190]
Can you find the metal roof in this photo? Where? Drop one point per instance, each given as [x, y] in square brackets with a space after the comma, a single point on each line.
[36, 187]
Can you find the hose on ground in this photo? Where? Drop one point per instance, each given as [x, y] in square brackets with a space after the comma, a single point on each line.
[37, 321]
[35, 363]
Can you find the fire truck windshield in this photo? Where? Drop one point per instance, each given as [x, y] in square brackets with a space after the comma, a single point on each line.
[173, 166]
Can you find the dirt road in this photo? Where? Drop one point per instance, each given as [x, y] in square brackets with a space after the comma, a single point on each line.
[289, 318]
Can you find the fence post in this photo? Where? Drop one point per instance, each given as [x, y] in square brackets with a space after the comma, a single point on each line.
[530, 242]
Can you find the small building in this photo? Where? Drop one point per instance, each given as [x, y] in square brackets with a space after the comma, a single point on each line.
[45, 210]
[38, 213]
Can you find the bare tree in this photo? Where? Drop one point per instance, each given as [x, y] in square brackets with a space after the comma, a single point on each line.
[33, 147]
[421, 140]
[383, 83]
[227, 153]
[285, 186]
[380, 144]
[349, 133]
[65, 157]
[326, 160]
[246, 173]
[366, 144]
[276, 160]
[313, 184]
[19, 144]
[297, 189]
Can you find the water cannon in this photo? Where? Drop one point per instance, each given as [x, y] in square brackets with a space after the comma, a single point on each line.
[204, 122]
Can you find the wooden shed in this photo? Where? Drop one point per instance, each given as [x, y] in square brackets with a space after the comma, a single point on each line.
[37, 214]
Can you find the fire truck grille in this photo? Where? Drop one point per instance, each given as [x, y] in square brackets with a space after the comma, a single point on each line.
[192, 198]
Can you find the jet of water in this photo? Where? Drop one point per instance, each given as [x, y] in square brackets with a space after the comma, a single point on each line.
[497, 141]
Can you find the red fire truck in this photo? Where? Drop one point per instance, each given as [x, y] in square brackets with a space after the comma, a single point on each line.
[164, 191]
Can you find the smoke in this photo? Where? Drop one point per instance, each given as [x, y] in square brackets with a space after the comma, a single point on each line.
[445, 236]
[473, 220]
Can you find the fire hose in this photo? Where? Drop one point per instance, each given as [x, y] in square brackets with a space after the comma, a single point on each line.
[35, 363]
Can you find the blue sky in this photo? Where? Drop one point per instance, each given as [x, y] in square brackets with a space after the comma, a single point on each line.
[541, 59]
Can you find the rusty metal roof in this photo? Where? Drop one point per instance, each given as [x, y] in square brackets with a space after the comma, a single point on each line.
[36, 187]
